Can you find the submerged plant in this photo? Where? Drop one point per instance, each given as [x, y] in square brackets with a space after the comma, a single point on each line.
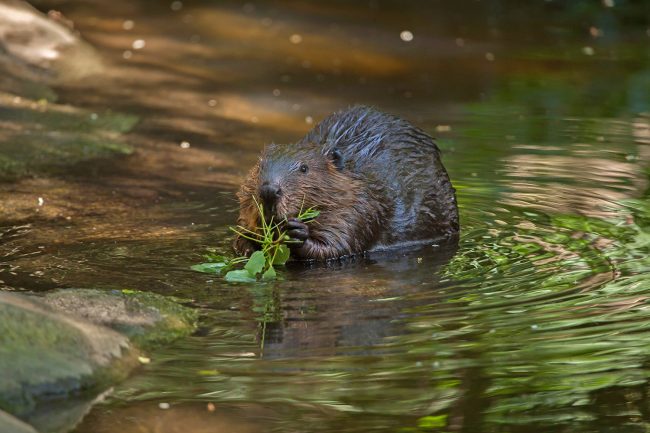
[272, 239]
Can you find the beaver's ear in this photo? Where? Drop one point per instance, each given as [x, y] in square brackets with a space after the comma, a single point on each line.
[337, 159]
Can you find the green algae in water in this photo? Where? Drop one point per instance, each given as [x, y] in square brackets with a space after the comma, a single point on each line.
[47, 138]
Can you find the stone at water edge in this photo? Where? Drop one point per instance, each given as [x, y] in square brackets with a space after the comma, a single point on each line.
[9, 424]
[48, 349]
[38, 136]
[34, 45]
[148, 319]
[44, 354]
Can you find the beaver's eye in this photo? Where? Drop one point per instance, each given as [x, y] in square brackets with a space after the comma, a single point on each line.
[304, 168]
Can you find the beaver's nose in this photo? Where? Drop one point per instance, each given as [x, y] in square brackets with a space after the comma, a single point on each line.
[269, 193]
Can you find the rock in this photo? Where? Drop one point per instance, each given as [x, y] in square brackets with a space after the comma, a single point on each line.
[39, 47]
[46, 354]
[37, 136]
[146, 318]
[40, 137]
[62, 416]
[55, 346]
[9, 424]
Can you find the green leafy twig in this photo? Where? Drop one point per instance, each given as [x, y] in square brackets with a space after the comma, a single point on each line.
[273, 250]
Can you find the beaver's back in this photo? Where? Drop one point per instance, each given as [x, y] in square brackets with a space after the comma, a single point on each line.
[401, 165]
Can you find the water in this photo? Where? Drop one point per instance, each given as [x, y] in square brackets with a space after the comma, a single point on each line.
[538, 321]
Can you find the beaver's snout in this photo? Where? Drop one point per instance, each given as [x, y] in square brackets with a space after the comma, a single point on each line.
[270, 193]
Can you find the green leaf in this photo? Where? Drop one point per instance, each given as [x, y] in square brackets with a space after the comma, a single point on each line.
[282, 255]
[215, 258]
[269, 274]
[209, 268]
[256, 263]
[240, 276]
[430, 422]
[308, 214]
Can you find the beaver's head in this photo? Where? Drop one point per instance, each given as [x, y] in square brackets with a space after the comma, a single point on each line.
[294, 177]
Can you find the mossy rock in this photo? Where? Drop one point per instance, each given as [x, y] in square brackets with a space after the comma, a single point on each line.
[10, 424]
[44, 354]
[74, 342]
[38, 136]
[41, 137]
[148, 319]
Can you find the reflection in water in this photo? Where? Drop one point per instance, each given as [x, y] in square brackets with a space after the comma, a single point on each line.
[182, 418]
[351, 308]
[603, 183]
[536, 322]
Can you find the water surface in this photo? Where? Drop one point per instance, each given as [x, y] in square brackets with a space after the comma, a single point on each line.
[538, 321]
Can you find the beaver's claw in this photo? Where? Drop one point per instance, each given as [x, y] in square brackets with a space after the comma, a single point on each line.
[297, 230]
[243, 246]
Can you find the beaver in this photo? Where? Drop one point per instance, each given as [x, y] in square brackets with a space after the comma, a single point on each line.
[377, 181]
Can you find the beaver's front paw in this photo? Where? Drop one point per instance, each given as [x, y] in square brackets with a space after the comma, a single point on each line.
[297, 230]
[243, 246]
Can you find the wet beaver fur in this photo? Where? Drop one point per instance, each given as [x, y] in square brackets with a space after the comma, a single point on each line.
[376, 179]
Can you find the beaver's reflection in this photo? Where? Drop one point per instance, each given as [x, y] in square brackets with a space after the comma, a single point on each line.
[348, 307]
